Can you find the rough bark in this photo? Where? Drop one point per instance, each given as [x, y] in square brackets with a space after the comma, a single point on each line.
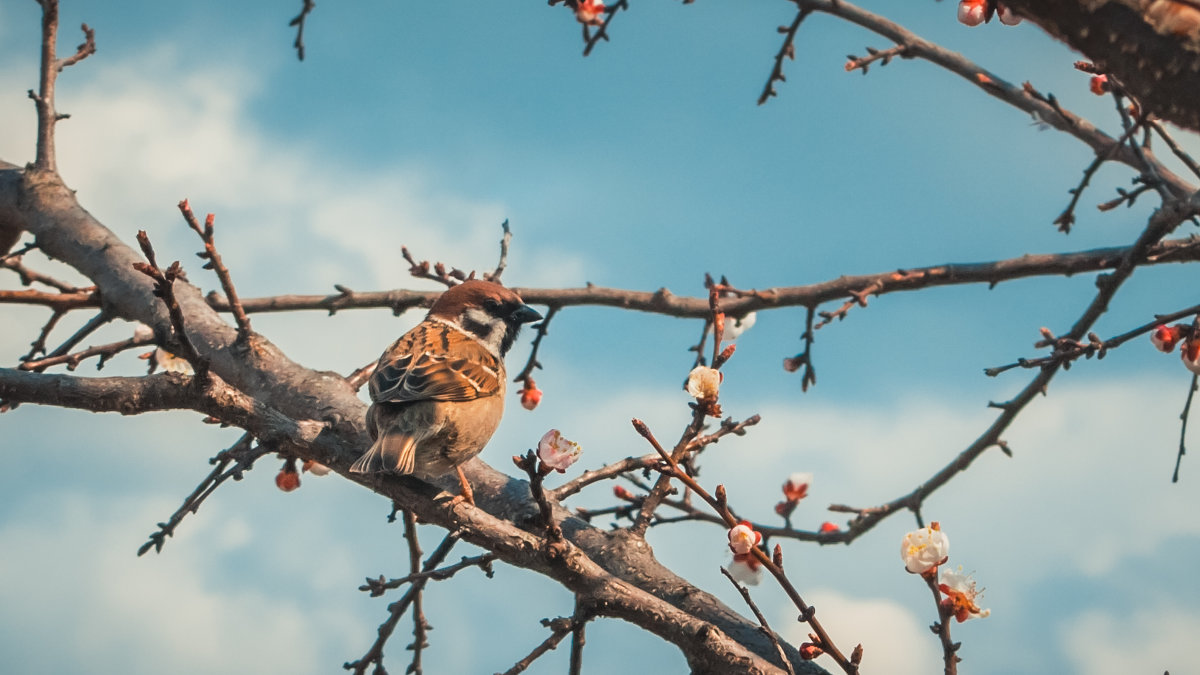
[319, 416]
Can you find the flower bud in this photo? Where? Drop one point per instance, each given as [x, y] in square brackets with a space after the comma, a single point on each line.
[924, 549]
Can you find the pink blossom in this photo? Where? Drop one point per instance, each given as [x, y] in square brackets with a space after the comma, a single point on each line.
[557, 452]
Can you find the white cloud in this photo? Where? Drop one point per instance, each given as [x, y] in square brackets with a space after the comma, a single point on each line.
[894, 639]
[1148, 640]
[77, 584]
[292, 216]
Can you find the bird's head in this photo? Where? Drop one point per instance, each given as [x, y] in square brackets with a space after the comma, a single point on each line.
[492, 313]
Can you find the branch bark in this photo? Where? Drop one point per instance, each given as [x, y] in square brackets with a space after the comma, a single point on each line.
[258, 388]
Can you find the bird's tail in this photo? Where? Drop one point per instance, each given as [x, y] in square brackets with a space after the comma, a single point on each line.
[392, 453]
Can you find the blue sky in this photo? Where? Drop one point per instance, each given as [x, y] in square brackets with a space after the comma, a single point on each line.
[644, 165]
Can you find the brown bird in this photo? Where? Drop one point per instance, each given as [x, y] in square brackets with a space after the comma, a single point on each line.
[437, 393]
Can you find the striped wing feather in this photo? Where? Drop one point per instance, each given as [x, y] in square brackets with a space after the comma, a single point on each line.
[434, 362]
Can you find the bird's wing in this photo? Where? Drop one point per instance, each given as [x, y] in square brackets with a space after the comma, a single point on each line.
[435, 362]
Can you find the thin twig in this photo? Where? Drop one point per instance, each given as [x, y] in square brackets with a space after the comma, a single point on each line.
[1183, 417]
[503, 263]
[942, 628]
[762, 620]
[542, 328]
[30, 276]
[214, 263]
[298, 22]
[420, 625]
[1174, 146]
[164, 290]
[242, 454]
[786, 50]
[560, 628]
[397, 609]
[379, 586]
[39, 343]
[669, 466]
[1067, 217]
[883, 56]
[602, 31]
[421, 270]
[72, 360]
[49, 69]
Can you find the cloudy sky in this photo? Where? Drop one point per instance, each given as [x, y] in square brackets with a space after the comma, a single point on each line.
[644, 165]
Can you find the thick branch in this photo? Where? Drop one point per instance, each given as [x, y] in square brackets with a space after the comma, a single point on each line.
[265, 393]
[1153, 48]
[1045, 109]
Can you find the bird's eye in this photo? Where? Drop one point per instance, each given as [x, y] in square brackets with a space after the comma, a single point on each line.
[491, 305]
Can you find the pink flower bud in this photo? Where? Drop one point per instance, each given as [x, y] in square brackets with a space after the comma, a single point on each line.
[742, 538]
[827, 527]
[557, 452]
[1099, 85]
[531, 396]
[973, 12]
[796, 487]
[589, 12]
[1006, 15]
[1166, 337]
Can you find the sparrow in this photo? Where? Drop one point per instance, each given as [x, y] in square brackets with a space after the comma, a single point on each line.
[437, 393]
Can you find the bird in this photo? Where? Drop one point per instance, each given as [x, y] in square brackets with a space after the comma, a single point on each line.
[437, 393]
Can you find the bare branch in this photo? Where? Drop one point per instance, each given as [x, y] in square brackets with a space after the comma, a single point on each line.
[1183, 417]
[503, 263]
[786, 50]
[105, 352]
[668, 304]
[559, 629]
[214, 263]
[243, 454]
[49, 69]
[397, 609]
[298, 22]
[164, 289]
[762, 620]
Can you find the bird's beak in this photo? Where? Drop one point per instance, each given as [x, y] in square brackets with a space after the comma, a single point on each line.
[525, 314]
